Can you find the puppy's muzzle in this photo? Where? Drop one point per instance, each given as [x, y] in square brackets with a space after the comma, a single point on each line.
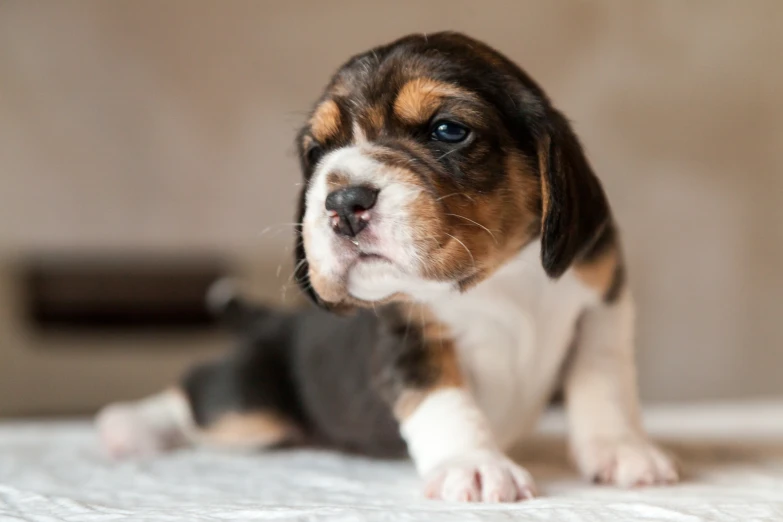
[349, 209]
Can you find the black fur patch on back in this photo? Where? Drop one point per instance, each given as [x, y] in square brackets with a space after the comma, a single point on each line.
[254, 377]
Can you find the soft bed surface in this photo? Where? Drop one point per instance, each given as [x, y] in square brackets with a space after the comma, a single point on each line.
[732, 456]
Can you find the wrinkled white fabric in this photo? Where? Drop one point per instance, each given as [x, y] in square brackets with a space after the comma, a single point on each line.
[732, 456]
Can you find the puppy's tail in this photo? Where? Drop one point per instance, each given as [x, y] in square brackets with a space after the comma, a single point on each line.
[230, 308]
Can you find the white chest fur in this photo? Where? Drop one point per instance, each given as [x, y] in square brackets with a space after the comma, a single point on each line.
[513, 332]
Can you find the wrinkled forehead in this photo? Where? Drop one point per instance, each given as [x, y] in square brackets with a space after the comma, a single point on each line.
[376, 94]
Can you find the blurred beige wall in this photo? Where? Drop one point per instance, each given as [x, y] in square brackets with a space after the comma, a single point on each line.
[169, 126]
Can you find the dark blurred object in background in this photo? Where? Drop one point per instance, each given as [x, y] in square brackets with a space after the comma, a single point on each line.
[119, 292]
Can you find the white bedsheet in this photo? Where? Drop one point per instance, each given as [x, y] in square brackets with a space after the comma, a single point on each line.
[732, 455]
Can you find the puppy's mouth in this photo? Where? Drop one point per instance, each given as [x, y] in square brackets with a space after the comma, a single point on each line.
[363, 250]
[367, 257]
[370, 260]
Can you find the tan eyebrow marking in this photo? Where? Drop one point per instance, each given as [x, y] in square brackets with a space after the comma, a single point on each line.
[418, 99]
[325, 122]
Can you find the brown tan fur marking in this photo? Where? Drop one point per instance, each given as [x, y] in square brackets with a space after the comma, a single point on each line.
[418, 99]
[543, 167]
[441, 356]
[489, 229]
[325, 122]
[252, 429]
[599, 273]
[376, 119]
[337, 180]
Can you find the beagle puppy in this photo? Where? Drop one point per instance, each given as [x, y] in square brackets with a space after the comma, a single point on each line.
[466, 266]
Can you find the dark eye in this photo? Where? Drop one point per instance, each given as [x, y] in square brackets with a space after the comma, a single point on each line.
[449, 132]
[314, 154]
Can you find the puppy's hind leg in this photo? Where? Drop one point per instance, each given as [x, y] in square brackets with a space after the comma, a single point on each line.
[146, 427]
[244, 401]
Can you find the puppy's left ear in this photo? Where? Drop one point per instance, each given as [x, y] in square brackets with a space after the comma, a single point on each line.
[575, 211]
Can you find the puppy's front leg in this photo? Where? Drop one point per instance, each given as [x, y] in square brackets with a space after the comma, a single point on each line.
[454, 450]
[607, 438]
[448, 437]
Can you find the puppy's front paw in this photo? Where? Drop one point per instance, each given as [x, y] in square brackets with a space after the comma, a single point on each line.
[625, 463]
[480, 476]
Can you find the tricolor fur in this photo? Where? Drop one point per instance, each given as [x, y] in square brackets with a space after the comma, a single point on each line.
[449, 213]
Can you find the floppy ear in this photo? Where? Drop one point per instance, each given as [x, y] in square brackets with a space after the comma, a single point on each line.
[305, 148]
[575, 212]
[301, 265]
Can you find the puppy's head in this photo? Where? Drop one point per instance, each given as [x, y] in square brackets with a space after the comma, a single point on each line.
[430, 162]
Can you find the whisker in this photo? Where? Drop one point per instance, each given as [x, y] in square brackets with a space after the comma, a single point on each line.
[296, 269]
[296, 286]
[478, 225]
[277, 225]
[446, 154]
[456, 194]
[465, 247]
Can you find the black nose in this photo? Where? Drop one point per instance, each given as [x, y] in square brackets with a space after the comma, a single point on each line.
[348, 208]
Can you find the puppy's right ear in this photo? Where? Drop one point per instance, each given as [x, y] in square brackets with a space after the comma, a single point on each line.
[301, 266]
[307, 151]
